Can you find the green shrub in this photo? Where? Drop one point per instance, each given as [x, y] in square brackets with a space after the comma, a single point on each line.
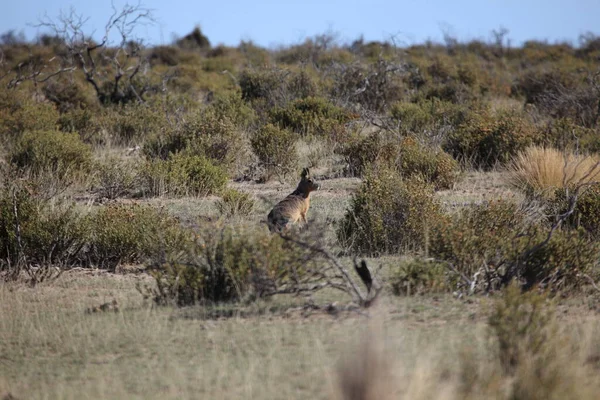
[182, 175]
[586, 213]
[436, 167]
[374, 86]
[125, 234]
[267, 84]
[205, 135]
[231, 106]
[428, 116]
[133, 123]
[500, 240]
[56, 151]
[360, 152]
[37, 230]
[388, 215]
[523, 325]
[20, 113]
[233, 202]
[226, 265]
[114, 178]
[310, 116]
[302, 85]
[85, 122]
[276, 150]
[407, 156]
[418, 277]
[67, 95]
[486, 139]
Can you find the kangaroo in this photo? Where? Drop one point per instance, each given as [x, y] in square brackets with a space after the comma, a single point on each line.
[295, 206]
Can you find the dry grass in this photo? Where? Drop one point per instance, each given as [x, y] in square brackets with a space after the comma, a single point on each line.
[412, 348]
[539, 170]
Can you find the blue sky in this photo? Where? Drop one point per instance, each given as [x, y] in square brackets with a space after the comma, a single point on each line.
[271, 22]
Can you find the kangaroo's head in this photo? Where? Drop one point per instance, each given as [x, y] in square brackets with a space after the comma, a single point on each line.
[307, 184]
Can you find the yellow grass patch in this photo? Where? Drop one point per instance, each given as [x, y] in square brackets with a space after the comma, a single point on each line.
[540, 170]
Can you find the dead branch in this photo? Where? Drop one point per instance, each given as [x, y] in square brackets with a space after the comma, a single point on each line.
[348, 284]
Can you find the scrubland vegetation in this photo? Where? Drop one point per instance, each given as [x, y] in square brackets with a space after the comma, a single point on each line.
[134, 261]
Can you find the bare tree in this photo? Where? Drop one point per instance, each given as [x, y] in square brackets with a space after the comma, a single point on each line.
[114, 72]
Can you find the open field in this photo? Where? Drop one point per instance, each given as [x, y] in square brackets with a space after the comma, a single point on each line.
[52, 348]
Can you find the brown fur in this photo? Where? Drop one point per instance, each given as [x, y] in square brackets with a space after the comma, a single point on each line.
[294, 207]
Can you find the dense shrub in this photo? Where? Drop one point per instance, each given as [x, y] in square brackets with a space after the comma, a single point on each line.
[231, 106]
[311, 116]
[407, 156]
[133, 123]
[418, 277]
[433, 166]
[522, 324]
[374, 87]
[67, 95]
[275, 149]
[360, 152]
[20, 113]
[267, 84]
[36, 230]
[233, 202]
[388, 215]
[204, 134]
[84, 122]
[586, 213]
[500, 239]
[228, 265]
[182, 175]
[486, 139]
[55, 151]
[114, 178]
[122, 234]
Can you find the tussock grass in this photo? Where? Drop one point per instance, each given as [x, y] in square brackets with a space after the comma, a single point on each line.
[540, 170]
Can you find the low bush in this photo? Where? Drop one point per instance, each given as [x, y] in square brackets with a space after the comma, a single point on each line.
[388, 215]
[36, 230]
[502, 241]
[126, 234]
[68, 95]
[225, 265]
[486, 139]
[586, 213]
[55, 151]
[374, 87]
[429, 117]
[232, 107]
[433, 166]
[276, 150]
[234, 203]
[523, 324]
[204, 134]
[311, 116]
[418, 277]
[114, 178]
[407, 156]
[84, 122]
[133, 123]
[182, 175]
[267, 84]
[20, 113]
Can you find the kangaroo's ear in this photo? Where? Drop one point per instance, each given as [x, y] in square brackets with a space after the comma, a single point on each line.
[305, 172]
